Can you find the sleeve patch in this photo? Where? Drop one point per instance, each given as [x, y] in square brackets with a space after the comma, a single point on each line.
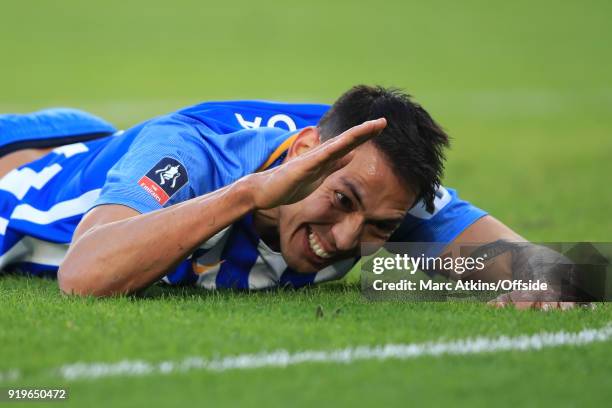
[164, 179]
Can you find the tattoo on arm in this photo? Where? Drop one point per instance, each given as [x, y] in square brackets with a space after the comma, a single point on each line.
[530, 261]
[494, 249]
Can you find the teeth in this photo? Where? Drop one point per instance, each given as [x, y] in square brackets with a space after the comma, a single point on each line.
[316, 247]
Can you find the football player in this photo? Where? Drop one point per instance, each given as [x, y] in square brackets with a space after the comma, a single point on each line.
[244, 195]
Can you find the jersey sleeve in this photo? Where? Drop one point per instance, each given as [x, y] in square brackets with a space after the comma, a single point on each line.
[165, 164]
[451, 216]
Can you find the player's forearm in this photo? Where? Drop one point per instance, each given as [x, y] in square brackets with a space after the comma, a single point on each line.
[127, 255]
[525, 261]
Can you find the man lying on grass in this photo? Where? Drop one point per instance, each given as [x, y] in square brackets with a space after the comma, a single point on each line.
[215, 195]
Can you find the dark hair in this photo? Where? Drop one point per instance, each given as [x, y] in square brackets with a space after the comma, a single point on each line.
[412, 141]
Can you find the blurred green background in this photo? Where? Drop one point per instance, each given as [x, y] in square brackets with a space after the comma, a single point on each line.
[523, 87]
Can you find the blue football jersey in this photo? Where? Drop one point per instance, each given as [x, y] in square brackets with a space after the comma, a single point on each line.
[162, 162]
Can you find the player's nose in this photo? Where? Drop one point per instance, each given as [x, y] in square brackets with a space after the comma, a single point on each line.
[347, 232]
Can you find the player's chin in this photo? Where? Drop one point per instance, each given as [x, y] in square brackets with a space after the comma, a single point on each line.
[300, 257]
[298, 261]
[300, 266]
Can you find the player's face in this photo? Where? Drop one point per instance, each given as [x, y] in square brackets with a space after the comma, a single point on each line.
[362, 202]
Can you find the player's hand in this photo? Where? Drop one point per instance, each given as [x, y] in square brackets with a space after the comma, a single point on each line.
[541, 300]
[298, 177]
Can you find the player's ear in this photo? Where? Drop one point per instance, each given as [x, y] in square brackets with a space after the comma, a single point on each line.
[305, 140]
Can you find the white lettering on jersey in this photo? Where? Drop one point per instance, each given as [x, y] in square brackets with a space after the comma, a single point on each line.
[248, 125]
[271, 122]
[282, 118]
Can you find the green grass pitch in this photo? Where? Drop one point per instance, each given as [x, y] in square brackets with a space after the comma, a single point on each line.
[523, 87]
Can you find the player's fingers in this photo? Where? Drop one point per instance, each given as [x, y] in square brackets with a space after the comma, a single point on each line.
[497, 303]
[501, 301]
[347, 141]
[524, 305]
[332, 155]
[567, 305]
[336, 165]
[366, 129]
[587, 305]
[546, 306]
[521, 300]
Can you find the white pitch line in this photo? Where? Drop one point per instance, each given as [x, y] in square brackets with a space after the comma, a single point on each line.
[10, 375]
[283, 358]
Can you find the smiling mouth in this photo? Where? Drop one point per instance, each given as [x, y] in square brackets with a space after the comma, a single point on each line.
[316, 246]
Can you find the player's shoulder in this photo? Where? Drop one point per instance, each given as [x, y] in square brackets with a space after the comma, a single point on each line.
[236, 137]
[216, 158]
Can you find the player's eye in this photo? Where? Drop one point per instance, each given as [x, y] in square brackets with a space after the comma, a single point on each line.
[384, 226]
[343, 201]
